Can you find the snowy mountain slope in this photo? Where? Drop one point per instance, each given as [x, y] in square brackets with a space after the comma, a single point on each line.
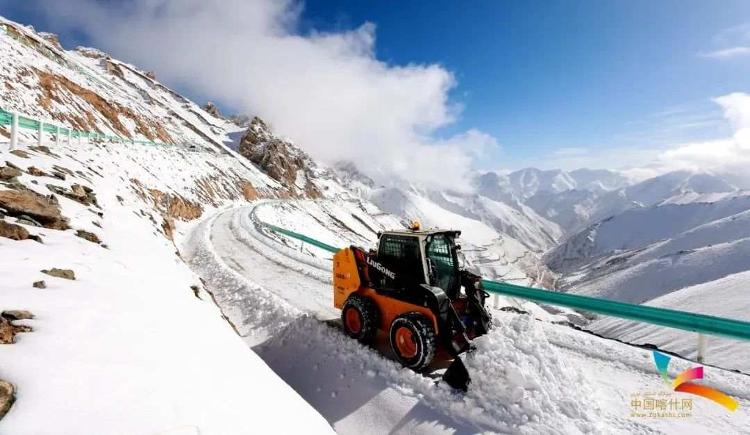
[598, 180]
[728, 296]
[128, 346]
[638, 228]
[527, 182]
[578, 208]
[527, 375]
[645, 253]
[499, 255]
[569, 199]
[519, 221]
[88, 90]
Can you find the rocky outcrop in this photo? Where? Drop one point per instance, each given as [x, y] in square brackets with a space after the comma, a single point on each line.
[42, 209]
[8, 173]
[240, 120]
[278, 158]
[13, 231]
[82, 194]
[88, 235]
[60, 273]
[58, 88]
[212, 110]
[52, 39]
[17, 315]
[7, 397]
[36, 172]
[8, 329]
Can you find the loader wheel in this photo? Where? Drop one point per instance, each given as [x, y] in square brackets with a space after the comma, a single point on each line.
[413, 340]
[359, 316]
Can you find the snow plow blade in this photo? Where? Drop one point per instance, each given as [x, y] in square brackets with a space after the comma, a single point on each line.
[457, 376]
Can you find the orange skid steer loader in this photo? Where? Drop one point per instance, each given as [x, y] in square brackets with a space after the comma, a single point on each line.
[413, 289]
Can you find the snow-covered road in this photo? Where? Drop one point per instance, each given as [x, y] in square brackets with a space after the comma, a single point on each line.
[528, 376]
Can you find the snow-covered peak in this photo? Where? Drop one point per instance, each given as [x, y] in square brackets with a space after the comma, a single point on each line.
[529, 181]
[598, 180]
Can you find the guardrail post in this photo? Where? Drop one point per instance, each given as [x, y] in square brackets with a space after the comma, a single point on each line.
[496, 300]
[701, 348]
[40, 139]
[14, 131]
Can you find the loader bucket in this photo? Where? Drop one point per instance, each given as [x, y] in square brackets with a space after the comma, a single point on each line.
[457, 376]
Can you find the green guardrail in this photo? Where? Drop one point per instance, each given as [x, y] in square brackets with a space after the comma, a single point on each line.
[303, 237]
[700, 323]
[6, 118]
[643, 313]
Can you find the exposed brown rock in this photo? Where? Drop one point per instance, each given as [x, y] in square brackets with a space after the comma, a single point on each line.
[60, 273]
[212, 109]
[57, 88]
[62, 169]
[151, 75]
[17, 314]
[43, 209]
[31, 170]
[249, 192]
[167, 226]
[281, 160]
[114, 69]
[8, 330]
[39, 284]
[93, 53]
[7, 397]
[84, 195]
[13, 231]
[52, 39]
[87, 235]
[171, 205]
[20, 153]
[44, 150]
[8, 173]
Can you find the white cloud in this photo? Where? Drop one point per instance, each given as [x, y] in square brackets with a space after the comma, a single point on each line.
[327, 91]
[734, 42]
[728, 156]
[728, 53]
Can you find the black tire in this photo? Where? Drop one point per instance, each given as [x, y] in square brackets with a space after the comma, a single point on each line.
[366, 311]
[424, 341]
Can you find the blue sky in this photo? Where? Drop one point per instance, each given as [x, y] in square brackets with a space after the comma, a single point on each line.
[541, 76]
[546, 79]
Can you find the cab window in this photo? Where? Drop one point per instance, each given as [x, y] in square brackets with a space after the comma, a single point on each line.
[443, 263]
[401, 254]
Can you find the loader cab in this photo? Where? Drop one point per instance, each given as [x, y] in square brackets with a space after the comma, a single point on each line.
[412, 258]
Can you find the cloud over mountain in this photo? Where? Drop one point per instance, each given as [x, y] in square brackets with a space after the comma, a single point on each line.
[328, 91]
